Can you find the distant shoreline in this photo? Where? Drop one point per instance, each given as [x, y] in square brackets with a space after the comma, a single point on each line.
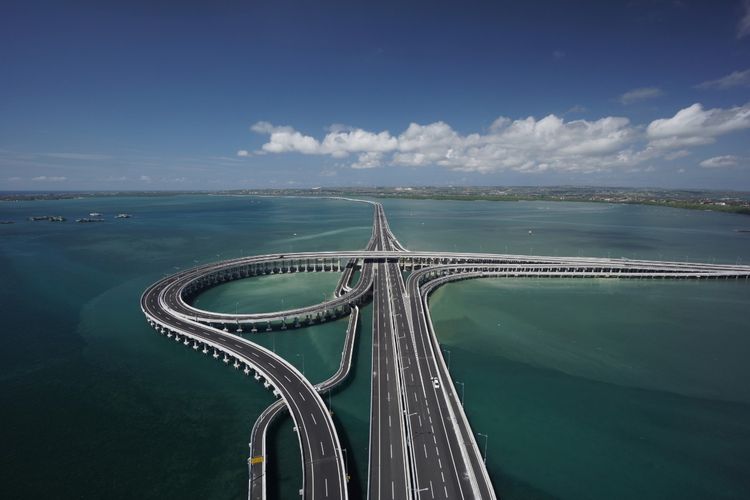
[728, 208]
[717, 201]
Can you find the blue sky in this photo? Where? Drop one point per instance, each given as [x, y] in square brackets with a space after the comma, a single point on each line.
[211, 95]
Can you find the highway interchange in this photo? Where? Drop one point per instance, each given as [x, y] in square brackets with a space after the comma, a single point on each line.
[421, 443]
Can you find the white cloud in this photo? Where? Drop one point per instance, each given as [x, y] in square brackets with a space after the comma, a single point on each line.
[694, 126]
[45, 178]
[243, 152]
[733, 79]
[145, 178]
[370, 159]
[743, 29]
[337, 143]
[640, 94]
[14, 179]
[286, 139]
[524, 145]
[720, 162]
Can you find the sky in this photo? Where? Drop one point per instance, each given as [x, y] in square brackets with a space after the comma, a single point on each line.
[152, 95]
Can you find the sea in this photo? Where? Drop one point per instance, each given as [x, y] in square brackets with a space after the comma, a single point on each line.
[583, 388]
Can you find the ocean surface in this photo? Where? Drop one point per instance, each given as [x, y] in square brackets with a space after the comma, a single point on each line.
[586, 389]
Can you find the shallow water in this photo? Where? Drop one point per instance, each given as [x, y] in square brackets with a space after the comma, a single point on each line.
[274, 292]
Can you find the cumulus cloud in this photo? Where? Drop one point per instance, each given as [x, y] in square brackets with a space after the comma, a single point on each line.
[694, 126]
[371, 159]
[640, 94]
[720, 162]
[243, 152]
[338, 142]
[526, 145]
[285, 139]
[523, 145]
[733, 79]
[46, 178]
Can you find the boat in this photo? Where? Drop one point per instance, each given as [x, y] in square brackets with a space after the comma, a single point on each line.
[51, 218]
[87, 219]
[123, 216]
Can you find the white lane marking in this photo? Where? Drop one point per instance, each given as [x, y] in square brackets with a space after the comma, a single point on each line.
[301, 395]
[445, 489]
[440, 463]
[287, 378]
[425, 450]
[391, 447]
[326, 483]
[313, 417]
[322, 451]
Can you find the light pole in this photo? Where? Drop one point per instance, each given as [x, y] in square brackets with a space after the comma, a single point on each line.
[463, 391]
[486, 441]
[303, 362]
[346, 463]
[449, 357]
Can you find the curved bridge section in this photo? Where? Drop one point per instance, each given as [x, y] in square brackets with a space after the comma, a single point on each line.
[322, 460]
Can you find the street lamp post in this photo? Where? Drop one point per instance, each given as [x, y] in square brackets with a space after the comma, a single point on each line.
[303, 362]
[486, 441]
[449, 357]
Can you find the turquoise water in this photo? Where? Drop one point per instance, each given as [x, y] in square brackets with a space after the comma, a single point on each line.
[596, 389]
[275, 292]
[605, 389]
[97, 405]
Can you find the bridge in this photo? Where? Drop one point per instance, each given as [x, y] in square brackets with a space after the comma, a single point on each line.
[421, 442]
